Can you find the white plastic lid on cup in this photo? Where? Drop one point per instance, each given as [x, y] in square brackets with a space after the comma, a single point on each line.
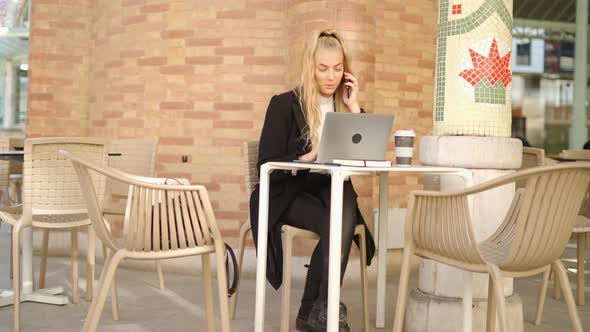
[405, 133]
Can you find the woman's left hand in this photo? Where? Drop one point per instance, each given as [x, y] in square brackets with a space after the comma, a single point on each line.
[352, 100]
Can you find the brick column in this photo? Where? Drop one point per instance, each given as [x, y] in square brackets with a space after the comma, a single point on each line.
[355, 21]
[197, 75]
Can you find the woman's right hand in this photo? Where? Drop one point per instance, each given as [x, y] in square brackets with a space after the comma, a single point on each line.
[310, 156]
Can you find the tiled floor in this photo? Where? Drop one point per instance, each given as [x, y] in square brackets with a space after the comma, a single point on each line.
[179, 308]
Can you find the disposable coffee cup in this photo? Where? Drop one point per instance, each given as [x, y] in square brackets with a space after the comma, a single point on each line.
[404, 147]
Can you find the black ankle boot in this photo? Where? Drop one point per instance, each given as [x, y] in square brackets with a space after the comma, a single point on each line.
[310, 294]
[302, 316]
[318, 318]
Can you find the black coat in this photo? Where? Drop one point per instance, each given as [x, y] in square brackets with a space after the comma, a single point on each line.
[282, 139]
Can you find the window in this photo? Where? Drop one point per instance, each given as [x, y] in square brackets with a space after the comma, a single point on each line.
[22, 93]
[523, 53]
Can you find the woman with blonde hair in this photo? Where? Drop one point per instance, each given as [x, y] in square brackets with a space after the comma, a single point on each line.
[291, 130]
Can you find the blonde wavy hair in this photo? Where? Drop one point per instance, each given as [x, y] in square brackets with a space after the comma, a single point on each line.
[308, 91]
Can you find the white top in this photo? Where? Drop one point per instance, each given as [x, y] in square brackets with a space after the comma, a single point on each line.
[405, 133]
[326, 105]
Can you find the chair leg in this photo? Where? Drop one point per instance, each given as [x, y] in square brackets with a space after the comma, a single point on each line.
[556, 286]
[491, 309]
[206, 278]
[567, 294]
[496, 277]
[44, 252]
[11, 254]
[74, 254]
[95, 311]
[364, 281]
[104, 252]
[542, 296]
[222, 285]
[286, 296]
[16, 230]
[114, 298]
[160, 274]
[241, 247]
[107, 262]
[90, 263]
[580, 268]
[402, 293]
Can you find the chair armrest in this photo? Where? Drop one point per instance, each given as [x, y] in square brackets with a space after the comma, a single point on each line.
[136, 180]
[506, 179]
[162, 181]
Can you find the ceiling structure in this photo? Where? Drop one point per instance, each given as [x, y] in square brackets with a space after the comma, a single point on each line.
[545, 10]
[14, 29]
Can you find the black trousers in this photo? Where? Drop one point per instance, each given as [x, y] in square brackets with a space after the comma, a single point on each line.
[311, 211]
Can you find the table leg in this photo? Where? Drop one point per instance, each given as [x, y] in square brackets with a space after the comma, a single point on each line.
[335, 249]
[468, 301]
[382, 252]
[261, 249]
[47, 295]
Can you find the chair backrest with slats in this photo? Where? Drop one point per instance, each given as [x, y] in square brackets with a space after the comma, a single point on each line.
[532, 157]
[161, 215]
[50, 184]
[250, 151]
[138, 156]
[585, 209]
[161, 220]
[545, 214]
[442, 225]
[582, 155]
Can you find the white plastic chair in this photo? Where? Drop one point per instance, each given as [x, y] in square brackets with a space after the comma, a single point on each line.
[53, 199]
[530, 240]
[161, 221]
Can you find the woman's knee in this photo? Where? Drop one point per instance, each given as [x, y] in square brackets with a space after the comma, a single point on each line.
[348, 191]
[349, 210]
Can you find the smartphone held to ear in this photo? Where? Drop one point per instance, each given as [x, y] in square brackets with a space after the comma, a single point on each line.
[347, 88]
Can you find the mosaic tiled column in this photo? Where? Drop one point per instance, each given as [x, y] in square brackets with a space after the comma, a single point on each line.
[472, 118]
[473, 68]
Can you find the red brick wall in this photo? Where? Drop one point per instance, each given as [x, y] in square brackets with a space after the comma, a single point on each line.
[59, 60]
[404, 76]
[356, 23]
[199, 76]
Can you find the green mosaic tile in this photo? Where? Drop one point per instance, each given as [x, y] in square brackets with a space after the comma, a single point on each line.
[488, 94]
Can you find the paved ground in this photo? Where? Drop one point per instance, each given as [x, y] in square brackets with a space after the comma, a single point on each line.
[179, 308]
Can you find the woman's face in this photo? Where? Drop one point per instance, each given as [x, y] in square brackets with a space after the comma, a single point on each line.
[329, 69]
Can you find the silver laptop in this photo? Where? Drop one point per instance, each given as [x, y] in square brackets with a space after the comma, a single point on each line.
[354, 136]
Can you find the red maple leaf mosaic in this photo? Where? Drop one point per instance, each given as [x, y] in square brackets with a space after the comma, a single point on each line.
[493, 67]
